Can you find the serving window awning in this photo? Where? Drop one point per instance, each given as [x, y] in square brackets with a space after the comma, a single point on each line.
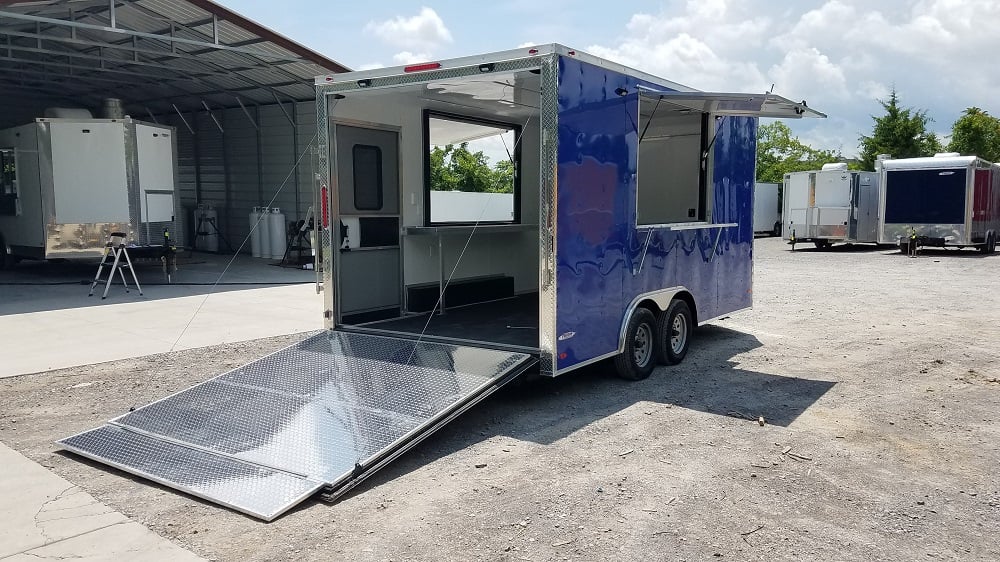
[723, 103]
[156, 55]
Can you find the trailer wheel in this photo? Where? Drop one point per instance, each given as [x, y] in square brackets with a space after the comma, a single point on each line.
[673, 333]
[638, 359]
[821, 244]
[987, 244]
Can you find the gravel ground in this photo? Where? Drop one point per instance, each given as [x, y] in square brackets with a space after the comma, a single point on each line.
[877, 375]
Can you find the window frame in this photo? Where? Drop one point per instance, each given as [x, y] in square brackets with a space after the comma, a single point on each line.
[473, 120]
[355, 176]
[706, 142]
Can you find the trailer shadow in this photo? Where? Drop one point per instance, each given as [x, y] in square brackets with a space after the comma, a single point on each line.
[547, 410]
[808, 248]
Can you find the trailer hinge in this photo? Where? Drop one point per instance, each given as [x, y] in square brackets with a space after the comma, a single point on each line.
[327, 314]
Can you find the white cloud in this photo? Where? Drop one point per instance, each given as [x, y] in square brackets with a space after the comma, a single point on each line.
[371, 66]
[423, 32]
[810, 74]
[406, 57]
[840, 55]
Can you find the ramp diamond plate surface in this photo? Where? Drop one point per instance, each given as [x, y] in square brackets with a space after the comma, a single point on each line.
[245, 487]
[320, 411]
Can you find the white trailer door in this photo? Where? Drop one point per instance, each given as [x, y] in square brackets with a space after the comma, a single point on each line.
[367, 172]
[796, 205]
[88, 172]
[832, 204]
[155, 155]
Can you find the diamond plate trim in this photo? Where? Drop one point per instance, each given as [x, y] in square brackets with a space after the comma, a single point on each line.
[548, 186]
[250, 489]
[428, 76]
[325, 409]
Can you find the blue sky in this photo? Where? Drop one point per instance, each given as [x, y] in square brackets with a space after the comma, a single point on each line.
[840, 55]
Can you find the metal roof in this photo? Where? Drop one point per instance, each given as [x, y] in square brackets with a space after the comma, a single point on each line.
[157, 55]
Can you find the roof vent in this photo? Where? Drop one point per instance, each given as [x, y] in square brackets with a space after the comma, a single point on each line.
[835, 166]
[68, 113]
[113, 108]
[946, 154]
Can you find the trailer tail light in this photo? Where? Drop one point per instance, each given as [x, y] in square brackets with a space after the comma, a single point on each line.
[422, 67]
[324, 206]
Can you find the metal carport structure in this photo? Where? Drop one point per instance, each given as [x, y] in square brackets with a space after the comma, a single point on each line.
[240, 95]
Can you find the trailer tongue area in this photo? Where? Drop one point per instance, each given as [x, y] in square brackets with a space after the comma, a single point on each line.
[321, 415]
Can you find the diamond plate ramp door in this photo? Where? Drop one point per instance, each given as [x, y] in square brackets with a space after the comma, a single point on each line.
[324, 413]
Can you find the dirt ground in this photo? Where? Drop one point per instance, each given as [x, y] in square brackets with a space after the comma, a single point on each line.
[878, 377]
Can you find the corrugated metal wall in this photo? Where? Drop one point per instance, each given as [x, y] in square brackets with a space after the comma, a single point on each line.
[250, 163]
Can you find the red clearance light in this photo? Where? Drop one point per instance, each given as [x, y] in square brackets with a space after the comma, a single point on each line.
[422, 66]
[532, 51]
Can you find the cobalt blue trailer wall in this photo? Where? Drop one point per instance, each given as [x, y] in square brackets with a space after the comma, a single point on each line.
[599, 248]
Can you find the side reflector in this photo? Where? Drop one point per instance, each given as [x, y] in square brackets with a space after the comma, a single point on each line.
[325, 206]
[421, 67]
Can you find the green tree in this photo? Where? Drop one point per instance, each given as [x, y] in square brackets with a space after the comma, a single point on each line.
[779, 153]
[976, 133]
[456, 168]
[901, 132]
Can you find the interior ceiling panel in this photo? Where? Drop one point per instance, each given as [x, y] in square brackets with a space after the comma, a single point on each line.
[155, 55]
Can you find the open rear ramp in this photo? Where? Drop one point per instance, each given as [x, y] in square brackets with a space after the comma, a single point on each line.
[320, 415]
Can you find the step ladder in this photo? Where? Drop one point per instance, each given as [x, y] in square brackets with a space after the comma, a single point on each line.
[115, 247]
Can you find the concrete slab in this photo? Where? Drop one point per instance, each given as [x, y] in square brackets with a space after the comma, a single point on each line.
[46, 517]
[60, 338]
[50, 323]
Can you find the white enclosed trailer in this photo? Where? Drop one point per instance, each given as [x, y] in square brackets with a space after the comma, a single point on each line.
[946, 200]
[766, 214]
[830, 205]
[67, 184]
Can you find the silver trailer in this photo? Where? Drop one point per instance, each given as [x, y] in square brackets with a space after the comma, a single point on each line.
[946, 201]
[67, 184]
[766, 214]
[829, 206]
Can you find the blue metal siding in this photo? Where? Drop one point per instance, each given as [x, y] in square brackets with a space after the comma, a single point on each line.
[598, 244]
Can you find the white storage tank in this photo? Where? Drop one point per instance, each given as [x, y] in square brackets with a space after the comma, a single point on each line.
[255, 230]
[276, 230]
[264, 228]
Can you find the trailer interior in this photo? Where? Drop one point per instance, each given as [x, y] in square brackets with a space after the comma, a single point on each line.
[465, 201]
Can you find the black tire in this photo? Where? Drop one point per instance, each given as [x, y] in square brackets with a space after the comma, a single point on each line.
[638, 359]
[777, 229]
[821, 244]
[985, 248]
[673, 333]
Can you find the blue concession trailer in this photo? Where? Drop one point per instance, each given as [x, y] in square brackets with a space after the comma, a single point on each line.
[530, 209]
